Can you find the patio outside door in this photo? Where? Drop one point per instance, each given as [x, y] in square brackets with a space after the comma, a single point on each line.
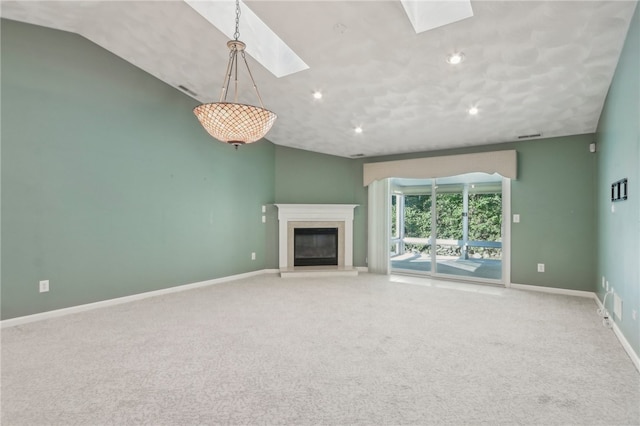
[469, 230]
[411, 229]
[463, 237]
[448, 228]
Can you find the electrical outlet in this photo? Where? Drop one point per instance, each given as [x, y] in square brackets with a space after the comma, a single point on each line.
[540, 267]
[516, 218]
[44, 286]
[253, 256]
[264, 209]
[606, 286]
[634, 315]
[264, 219]
[603, 281]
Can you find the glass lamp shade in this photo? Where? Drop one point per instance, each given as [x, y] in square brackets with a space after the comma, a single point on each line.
[235, 124]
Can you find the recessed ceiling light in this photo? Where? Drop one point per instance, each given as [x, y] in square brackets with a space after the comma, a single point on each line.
[455, 58]
[358, 129]
[317, 95]
[473, 111]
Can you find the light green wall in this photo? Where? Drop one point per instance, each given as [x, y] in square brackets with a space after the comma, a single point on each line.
[554, 196]
[618, 140]
[110, 187]
[555, 199]
[304, 177]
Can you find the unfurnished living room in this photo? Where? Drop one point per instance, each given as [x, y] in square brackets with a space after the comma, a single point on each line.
[302, 212]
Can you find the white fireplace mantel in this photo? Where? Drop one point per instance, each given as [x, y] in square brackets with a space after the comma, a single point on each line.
[314, 213]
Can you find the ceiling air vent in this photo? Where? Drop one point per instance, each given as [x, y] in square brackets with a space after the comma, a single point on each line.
[535, 135]
[187, 90]
[357, 155]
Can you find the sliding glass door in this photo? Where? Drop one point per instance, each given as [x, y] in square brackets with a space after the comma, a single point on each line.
[449, 228]
[459, 235]
[485, 251]
[411, 230]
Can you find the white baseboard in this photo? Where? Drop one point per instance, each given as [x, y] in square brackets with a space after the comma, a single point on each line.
[565, 291]
[591, 295]
[623, 340]
[126, 299]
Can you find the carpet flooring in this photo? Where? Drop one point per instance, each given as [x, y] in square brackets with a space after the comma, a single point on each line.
[365, 350]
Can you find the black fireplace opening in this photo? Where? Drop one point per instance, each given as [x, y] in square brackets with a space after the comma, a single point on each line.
[315, 246]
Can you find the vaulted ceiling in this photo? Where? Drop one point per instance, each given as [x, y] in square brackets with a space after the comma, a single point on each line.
[530, 67]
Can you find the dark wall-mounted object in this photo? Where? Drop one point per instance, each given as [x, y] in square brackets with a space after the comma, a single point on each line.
[619, 190]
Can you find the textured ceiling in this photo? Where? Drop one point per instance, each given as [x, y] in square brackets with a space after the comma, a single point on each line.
[530, 67]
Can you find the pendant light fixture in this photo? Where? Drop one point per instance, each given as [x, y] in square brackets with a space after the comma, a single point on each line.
[232, 122]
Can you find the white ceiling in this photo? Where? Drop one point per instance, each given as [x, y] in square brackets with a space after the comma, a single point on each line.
[530, 66]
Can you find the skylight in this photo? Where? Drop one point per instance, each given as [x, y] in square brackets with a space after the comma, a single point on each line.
[427, 15]
[262, 43]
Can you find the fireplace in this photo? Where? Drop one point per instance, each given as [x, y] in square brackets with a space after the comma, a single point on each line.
[295, 217]
[315, 246]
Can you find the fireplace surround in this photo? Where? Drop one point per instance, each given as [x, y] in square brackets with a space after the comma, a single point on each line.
[296, 216]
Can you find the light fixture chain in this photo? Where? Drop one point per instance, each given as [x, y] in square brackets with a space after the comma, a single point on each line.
[227, 75]
[255, 87]
[235, 87]
[237, 33]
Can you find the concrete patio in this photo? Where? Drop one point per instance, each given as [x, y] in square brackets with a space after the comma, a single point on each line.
[476, 268]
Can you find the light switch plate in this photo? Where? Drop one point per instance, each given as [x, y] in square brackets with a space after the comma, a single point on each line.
[617, 306]
[516, 218]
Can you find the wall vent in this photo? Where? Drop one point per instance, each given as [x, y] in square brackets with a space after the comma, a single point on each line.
[187, 90]
[534, 135]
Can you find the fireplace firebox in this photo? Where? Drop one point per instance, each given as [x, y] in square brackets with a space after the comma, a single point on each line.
[315, 246]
